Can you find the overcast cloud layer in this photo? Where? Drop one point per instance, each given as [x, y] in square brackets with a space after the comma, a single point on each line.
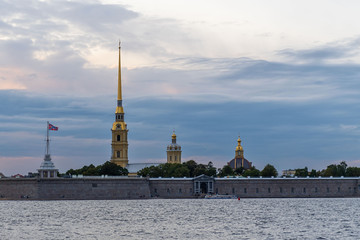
[295, 103]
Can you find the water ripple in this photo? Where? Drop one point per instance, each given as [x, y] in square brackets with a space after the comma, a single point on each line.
[182, 219]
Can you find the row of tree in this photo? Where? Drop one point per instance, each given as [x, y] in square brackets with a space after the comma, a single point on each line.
[186, 169]
[268, 171]
[335, 170]
[108, 168]
[193, 169]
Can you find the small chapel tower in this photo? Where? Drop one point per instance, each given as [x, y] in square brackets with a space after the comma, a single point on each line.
[119, 144]
[173, 151]
[239, 155]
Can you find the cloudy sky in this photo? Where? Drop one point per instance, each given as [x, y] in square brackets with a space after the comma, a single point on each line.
[284, 75]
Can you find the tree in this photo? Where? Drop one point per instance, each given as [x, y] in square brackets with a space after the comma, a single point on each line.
[112, 169]
[187, 169]
[210, 170]
[301, 172]
[353, 172]
[335, 170]
[181, 171]
[251, 172]
[314, 173]
[341, 169]
[199, 170]
[108, 168]
[191, 165]
[226, 171]
[239, 171]
[269, 171]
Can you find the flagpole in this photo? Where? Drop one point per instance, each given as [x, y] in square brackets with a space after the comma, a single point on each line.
[47, 139]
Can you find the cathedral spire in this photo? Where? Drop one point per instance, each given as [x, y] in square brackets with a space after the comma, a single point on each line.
[119, 107]
[119, 131]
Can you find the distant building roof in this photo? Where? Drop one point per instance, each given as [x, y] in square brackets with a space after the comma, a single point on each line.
[17, 176]
[247, 164]
[289, 172]
[2, 175]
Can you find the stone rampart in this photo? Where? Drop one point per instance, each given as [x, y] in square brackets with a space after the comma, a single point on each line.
[171, 187]
[288, 187]
[94, 188]
[138, 188]
[75, 188]
[18, 188]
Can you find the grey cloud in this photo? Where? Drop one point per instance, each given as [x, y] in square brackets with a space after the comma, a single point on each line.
[316, 54]
[97, 16]
[328, 51]
[242, 79]
[271, 131]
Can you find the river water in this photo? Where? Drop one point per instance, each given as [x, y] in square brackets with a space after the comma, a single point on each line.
[182, 219]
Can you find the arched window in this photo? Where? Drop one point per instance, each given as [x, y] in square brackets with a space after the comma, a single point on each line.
[118, 154]
[175, 158]
[170, 158]
[118, 138]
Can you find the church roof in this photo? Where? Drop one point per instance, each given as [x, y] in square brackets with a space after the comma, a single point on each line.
[247, 163]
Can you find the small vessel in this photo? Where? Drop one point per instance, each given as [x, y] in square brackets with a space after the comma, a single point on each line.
[220, 196]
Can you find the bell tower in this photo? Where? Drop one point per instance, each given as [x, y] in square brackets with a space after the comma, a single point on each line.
[173, 151]
[119, 131]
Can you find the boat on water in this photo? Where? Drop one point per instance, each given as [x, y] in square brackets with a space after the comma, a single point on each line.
[220, 196]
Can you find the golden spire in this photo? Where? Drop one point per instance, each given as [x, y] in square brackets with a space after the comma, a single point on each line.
[119, 108]
[119, 74]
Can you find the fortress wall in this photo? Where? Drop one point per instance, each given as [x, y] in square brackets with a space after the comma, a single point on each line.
[137, 188]
[94, 188]
[312, 187]
[18, 188]
[171, 188]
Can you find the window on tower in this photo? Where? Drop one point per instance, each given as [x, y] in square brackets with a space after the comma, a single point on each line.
[170, 158]
[175, 158]
[118, 154]
[118, 138]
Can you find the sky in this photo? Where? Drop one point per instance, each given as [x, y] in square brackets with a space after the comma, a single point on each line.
[284, 75]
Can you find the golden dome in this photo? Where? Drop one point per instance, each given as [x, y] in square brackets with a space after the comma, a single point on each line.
[239, 147]
[173, 136]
